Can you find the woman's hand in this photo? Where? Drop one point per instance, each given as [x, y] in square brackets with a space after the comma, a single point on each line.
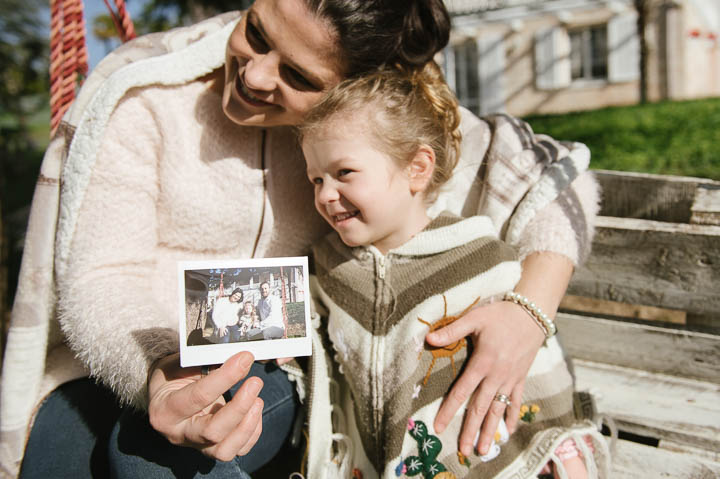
[189, 410]
[506, 340]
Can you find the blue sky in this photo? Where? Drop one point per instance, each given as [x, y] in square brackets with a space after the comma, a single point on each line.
[93, 8]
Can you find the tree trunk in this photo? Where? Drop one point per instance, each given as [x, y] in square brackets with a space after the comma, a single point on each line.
[642, 9]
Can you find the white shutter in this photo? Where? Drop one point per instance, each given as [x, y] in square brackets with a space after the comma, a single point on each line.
[491, 68]
[623, 48]
[449, 67]
[552, 59]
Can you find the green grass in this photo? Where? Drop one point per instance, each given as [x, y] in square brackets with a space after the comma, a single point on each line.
[671, 138]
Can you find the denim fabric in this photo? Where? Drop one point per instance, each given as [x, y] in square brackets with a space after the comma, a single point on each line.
[115, 442]
[70, 434]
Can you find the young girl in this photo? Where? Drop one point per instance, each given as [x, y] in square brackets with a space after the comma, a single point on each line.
[249, 321]
[377, 150]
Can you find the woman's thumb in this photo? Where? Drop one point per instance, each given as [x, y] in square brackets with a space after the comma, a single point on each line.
[454, 331]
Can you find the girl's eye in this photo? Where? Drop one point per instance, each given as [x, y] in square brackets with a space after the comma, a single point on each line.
[344, 172]
[255, 39]
[317, 181]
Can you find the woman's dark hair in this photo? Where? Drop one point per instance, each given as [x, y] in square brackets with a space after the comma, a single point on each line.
[378, 33]
[238, 290]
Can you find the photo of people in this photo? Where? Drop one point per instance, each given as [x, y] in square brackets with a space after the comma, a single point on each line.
[243, 303]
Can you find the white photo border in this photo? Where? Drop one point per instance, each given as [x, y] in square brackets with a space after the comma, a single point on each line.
[205, 354]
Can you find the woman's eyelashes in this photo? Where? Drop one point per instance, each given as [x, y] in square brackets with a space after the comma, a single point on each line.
[299, 81]
[255, 38]
[260, 45]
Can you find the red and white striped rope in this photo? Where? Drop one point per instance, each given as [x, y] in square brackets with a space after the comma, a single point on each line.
[68, 51]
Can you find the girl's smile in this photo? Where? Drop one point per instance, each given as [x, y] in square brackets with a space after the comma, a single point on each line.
[361, 191]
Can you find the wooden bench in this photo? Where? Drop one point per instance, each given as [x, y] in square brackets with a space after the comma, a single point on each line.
[642, 323]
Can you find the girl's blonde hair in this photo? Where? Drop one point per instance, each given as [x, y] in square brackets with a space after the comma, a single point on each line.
[403, 110]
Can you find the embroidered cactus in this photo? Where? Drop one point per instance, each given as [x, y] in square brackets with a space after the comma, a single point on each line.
[462, 459]
[429, 447]
[527, 413]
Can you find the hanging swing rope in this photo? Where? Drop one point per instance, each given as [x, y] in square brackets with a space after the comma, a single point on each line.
[68, 51]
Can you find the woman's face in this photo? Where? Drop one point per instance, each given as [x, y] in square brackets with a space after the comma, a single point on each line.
[279, 61]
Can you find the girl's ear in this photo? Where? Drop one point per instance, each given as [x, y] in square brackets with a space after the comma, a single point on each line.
[421, 169]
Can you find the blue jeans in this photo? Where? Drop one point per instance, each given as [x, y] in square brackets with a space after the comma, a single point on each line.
[68, 441]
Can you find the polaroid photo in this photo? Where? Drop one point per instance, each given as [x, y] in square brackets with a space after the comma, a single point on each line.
[256, 305]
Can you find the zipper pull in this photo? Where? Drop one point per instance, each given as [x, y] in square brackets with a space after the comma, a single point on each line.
[381, 267]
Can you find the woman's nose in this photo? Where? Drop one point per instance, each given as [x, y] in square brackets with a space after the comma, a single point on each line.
[262, 71]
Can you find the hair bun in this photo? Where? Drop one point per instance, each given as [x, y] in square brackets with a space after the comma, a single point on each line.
[425, 31]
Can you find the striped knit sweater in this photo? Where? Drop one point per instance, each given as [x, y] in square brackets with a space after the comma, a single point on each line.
[391, 384]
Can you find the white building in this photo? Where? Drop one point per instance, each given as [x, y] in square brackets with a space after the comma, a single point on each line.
[548, 56]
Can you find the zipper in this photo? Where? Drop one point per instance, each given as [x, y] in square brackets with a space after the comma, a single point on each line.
[264, 199]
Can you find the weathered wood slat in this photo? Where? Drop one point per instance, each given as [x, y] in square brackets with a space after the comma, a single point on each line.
[634, 461]
[648, 196]
[613, 308]
[706, 206]
[668, 265]
[655, 405]
[680, 353]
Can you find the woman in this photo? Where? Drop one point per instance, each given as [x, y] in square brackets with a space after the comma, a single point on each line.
[157, 148]
[225, 316]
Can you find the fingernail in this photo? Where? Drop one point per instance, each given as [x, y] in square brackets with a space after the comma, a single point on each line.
[255, 385]
[246, 360]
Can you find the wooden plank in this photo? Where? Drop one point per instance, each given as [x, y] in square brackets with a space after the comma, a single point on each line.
[654, 405]
[666, 265]
[613, 308]
[647, 196]
[663, 350]
[633, 461]
[705, 209]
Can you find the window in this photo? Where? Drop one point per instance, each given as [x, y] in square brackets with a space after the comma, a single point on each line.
[474, 69]
[467, 86]
[589, 53]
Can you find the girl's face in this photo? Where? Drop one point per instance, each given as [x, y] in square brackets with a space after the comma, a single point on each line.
[361, 191]
[248, 308]
[279, 61]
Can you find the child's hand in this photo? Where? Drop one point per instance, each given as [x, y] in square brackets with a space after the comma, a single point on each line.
[506, 342]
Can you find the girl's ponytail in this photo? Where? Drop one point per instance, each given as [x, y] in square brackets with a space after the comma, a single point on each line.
[444, 107]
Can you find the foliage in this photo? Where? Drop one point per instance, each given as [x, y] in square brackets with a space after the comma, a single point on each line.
[673, 138]
[159, 15]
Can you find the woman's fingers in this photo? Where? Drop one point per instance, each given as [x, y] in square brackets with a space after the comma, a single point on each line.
[512, 415]
[195, 397]
[495, 412]
[463, 389]
[214, 428]
[475, 413]
[240, 439]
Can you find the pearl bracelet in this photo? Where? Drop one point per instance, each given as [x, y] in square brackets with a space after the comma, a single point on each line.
[542, 319]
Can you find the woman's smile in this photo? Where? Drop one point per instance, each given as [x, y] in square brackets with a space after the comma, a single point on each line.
[244, 93]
